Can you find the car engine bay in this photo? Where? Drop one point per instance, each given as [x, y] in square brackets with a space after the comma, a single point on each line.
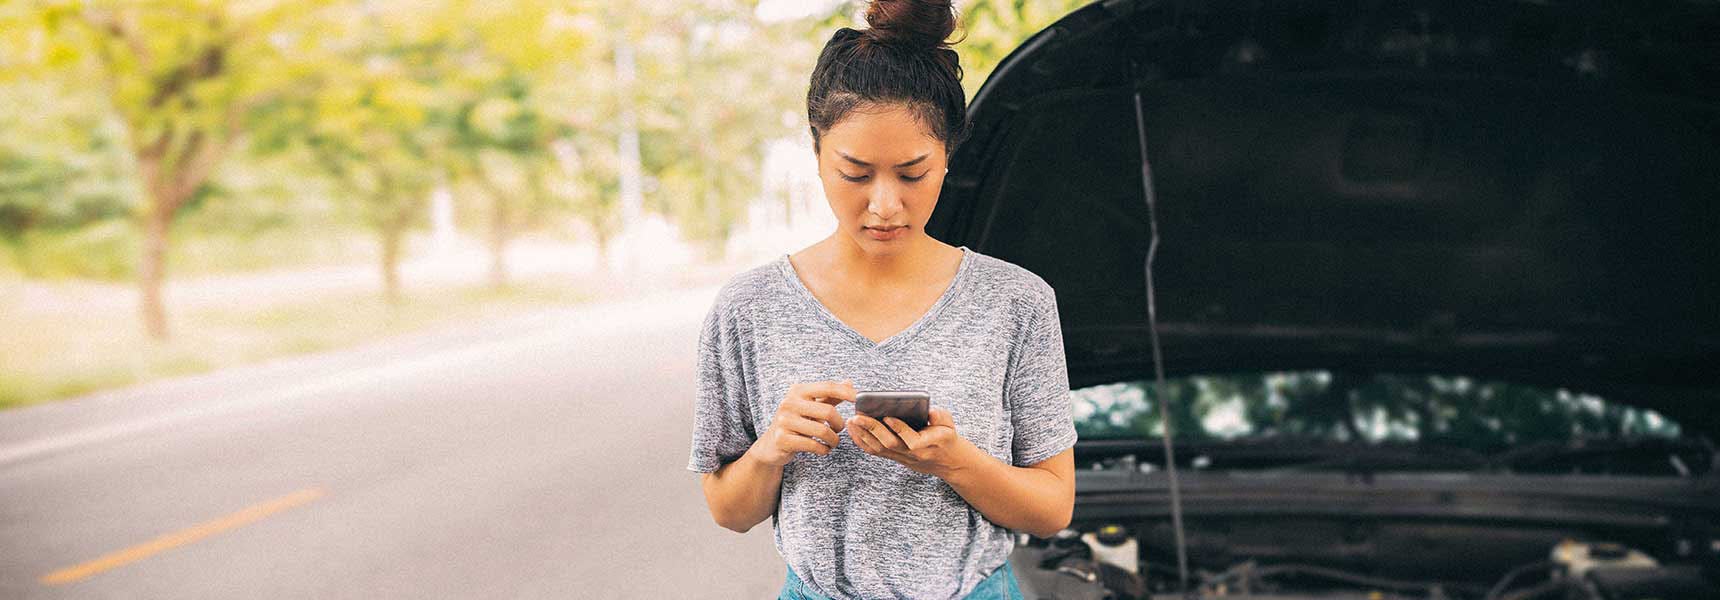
[1110, 561]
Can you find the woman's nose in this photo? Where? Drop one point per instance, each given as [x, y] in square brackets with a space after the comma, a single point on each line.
[886, 202]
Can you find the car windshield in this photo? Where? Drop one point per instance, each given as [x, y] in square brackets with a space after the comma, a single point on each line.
[1318, 419]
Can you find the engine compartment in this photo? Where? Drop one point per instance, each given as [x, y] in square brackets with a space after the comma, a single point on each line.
[1333, 560]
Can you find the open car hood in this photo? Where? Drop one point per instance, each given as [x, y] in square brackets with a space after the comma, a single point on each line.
[1525, 191]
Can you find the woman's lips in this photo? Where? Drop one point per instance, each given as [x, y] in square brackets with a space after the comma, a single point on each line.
[886, 235]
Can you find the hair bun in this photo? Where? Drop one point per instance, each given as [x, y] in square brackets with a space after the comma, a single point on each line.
[911, 23]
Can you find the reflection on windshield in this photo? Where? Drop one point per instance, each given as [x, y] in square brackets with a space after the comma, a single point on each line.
[1340, 407]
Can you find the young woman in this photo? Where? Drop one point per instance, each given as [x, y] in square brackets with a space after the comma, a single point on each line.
[864, 508]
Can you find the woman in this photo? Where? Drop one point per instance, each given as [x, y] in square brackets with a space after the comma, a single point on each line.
[864, 508]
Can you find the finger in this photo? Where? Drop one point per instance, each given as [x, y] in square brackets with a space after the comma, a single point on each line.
[801, 443]
[864, 440]
[863, 437]
[908, 435]
[817, 411]
[887, 439]
[828, 392]
[812, 428]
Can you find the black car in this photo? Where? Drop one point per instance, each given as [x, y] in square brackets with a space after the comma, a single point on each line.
[1434, 287]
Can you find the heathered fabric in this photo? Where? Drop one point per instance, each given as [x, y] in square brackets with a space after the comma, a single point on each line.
[854, 525]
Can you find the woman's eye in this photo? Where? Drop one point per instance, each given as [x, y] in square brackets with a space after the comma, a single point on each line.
[853, 178]
[914, 178]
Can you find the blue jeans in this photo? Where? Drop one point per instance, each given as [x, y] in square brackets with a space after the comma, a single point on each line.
[999, 585]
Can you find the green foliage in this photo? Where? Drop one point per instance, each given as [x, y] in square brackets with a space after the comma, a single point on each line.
[386, 98]
[588, 177]
[104, 250]
[732, 84]
[182, 75]
[366, 121]
[61, 163]
[1339, 407]
[994, 28]
[987, 30]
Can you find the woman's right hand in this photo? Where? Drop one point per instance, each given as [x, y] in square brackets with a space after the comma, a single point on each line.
[806, 421]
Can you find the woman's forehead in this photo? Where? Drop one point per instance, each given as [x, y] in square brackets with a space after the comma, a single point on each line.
[881, 136]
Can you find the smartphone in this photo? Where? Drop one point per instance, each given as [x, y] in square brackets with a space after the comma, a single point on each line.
[912, 407]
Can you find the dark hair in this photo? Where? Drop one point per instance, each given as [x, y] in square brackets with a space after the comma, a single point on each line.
[902, 58]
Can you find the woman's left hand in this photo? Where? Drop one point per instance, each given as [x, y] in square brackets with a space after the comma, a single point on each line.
[935, 450]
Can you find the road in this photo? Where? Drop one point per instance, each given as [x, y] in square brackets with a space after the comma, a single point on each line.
[538, 457]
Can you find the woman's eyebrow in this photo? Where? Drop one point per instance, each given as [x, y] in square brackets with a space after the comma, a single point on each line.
[867, 164]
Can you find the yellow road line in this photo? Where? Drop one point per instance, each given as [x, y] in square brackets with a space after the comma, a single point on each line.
[181, 537]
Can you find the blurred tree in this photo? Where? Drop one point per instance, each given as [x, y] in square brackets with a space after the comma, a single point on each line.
[365, 119]
[497, 124]
[503, 127]
[529, 102]
[184, 76]
[991, 29]
[61, 164]
[581, 92]
[722, 84]
[986, 32]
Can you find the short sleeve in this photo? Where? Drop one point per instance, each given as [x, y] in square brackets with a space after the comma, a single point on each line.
[722, 419]
[1037, 394]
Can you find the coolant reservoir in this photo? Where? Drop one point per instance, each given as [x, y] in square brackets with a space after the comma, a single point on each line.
[1579, 557]
[1114, 544]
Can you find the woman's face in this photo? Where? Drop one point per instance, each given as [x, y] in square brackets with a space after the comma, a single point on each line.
[882, 171]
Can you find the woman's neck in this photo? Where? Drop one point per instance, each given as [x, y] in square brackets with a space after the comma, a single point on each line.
[910, 262]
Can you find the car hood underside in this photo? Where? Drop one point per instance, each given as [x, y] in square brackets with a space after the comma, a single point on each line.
[1519, 191]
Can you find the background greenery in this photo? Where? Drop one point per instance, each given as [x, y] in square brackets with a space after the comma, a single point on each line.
[129, 129]
[145, 141]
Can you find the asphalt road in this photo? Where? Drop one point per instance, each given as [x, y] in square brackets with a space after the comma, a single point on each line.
[541, 457]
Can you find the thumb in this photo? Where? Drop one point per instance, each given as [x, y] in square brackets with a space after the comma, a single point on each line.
[939, 416]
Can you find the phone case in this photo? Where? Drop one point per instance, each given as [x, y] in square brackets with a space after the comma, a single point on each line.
[911, 406]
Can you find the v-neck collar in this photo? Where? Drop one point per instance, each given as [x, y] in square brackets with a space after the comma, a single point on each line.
[787, 269]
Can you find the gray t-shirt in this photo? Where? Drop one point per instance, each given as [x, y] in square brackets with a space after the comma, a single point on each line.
[854, 525]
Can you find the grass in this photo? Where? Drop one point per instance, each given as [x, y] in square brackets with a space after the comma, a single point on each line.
[46, 358]
[107, 251]
[221, 253]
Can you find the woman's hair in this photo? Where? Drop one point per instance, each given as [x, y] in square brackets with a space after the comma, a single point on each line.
[902, 58]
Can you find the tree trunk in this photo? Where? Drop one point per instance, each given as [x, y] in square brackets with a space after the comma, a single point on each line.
[627, 144]
[171, 173]
[632, 165]
[151, 270]
[500, 232]
[166, 191]
[391, 241]
[602, 240]
[169, 183]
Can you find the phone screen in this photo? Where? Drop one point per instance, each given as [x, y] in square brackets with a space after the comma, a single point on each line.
[911, 406]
